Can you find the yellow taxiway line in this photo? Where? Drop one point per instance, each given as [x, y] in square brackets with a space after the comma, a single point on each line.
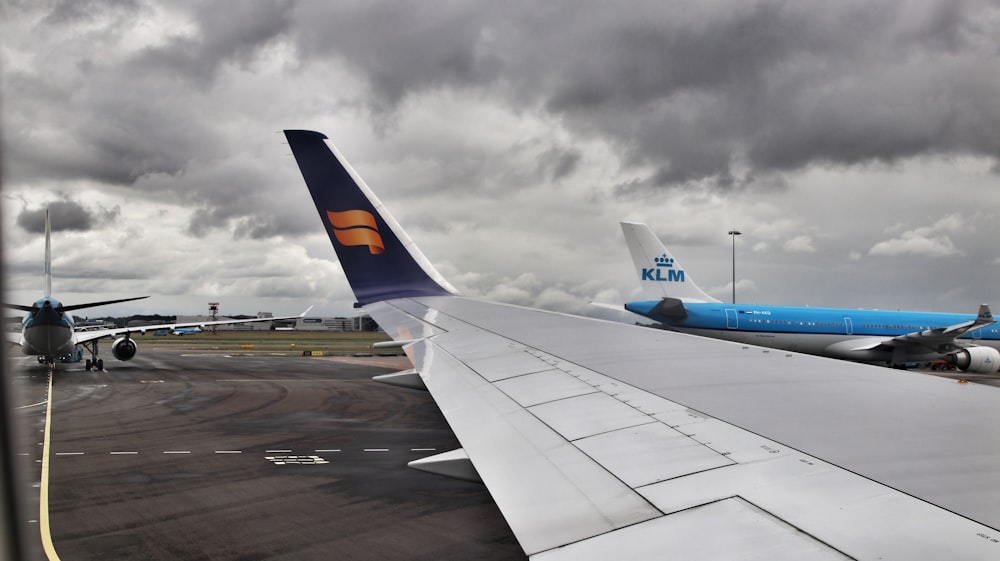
[43, 500]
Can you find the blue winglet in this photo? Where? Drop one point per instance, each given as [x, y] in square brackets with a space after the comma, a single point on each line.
[380, 260]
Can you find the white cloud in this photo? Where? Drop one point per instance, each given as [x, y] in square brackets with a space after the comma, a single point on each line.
[927, 241]
[799, 244]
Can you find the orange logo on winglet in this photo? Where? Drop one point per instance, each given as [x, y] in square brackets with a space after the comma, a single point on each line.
[356, 227]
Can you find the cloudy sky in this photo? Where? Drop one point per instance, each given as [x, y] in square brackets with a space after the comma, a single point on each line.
[854, 143]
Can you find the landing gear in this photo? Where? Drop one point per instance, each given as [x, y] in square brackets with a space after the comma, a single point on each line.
[94, 362]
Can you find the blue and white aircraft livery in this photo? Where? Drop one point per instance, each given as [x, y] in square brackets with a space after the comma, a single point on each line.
[601, 440]
[49, 333]
[970, 342]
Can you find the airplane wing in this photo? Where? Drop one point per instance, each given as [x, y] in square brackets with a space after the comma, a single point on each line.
[601, 440]
[941, 339]
[85, 335]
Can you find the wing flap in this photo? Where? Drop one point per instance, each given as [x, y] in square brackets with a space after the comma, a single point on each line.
[727, 529]
[549, 491]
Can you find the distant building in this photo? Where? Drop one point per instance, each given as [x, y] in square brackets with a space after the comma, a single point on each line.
[328, 324]
[254, 326]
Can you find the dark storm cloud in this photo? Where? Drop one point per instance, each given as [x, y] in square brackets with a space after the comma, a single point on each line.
[227, 32]
[732, 93]
[66, 214]
[76, 11]
[81, 114]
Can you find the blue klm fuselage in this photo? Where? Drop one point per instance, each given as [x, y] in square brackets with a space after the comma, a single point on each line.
[805, 329]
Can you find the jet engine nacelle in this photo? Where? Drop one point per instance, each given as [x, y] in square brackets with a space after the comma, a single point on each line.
[981, 360]
[123, 348]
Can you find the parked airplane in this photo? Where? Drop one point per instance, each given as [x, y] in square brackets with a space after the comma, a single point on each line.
[48, 331]
[968, 341]
[600, 440]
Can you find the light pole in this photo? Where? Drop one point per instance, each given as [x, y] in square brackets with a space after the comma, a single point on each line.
[734, 232]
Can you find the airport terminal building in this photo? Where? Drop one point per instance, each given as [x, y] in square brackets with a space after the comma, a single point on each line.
[308, 323]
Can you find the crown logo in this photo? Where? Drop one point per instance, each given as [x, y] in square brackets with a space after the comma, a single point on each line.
[664, 261]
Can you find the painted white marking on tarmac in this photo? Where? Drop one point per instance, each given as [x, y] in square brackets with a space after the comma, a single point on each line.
[376, 449]
[301, 460]
[33, 405]
[229, 451]
[328, 450]
[122, 453]
[176, 451]
[278, 451]
[423, 449]
[286, 380]
[70, 453]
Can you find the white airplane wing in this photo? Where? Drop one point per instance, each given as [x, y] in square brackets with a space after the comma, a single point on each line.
[601, 440]
[84, 335]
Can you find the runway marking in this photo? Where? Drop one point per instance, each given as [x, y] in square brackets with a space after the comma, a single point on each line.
[192, 453]
[43, 494]
[287, 380]
[300, 460]
[33, 405]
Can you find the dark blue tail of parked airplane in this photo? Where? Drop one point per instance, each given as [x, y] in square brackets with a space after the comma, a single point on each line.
[380, 260]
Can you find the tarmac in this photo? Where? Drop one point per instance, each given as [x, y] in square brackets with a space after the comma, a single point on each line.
[188, 455]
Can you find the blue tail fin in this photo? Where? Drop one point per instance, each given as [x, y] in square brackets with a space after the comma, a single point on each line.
[379, 259]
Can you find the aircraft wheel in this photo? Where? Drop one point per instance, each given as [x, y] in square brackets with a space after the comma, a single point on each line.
[100, 364]
[87, 365]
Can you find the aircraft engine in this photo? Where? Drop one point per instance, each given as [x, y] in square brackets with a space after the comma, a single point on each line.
[124, 348]
[981, 360]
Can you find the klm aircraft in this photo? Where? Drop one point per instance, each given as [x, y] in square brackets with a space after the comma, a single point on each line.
[49, 333]
[968, 341]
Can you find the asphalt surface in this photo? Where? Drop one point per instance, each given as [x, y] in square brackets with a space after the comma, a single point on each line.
[194, 456]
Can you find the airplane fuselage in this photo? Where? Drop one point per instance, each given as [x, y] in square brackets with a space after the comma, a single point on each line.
[836, 332]
[47, 332]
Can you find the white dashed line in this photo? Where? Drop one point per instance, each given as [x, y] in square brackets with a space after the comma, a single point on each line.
[376, 449]
[328, 450]
[70, 453]
[279, 451]
[229, 451]
[123, 453]
[176, 451]
[423, 449]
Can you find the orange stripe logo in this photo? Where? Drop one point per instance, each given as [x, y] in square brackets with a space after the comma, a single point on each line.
[356, 227]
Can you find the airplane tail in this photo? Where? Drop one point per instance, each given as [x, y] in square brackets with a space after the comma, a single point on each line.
[48, 255]
[660, 275]
[381, 262]
[48, 281]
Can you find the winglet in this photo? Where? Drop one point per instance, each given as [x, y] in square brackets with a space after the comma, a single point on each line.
[381, 262]
[660, 275]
